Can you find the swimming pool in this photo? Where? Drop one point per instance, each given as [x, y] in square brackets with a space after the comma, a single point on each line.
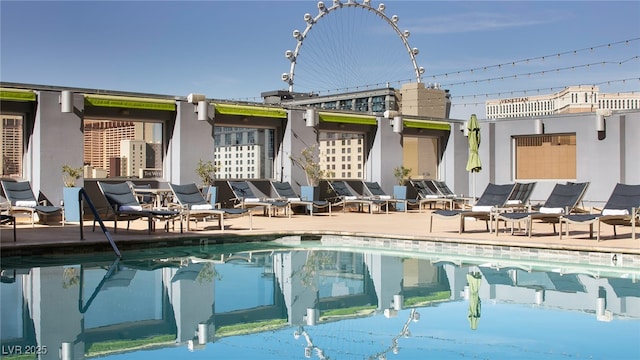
[330, 297]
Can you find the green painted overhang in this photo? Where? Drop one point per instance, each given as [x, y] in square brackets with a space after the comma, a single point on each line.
[248, 110]
[426, 124]
[130, 102]
[347, 118]
[17, 94]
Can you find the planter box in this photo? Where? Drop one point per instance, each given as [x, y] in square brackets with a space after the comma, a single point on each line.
[72, 211]
[309, 193]
[400, 193]
[211, 193]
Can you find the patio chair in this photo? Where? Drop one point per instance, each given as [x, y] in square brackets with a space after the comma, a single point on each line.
[22, 201]
[374, 191]
[426, 195]
[125, 206]
[345, 196]
[286, 192]
[247, 197]
[194, 205]
[563, 200]
[493, 197]
[621, 209]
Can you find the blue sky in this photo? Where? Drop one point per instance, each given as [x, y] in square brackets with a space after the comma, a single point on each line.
[235, 49]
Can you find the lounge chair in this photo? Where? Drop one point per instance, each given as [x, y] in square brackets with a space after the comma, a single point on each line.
[563, 200]
[374, 191]
[346, 196]
[441, 188]
[286, 193]
[146, 200]
[493, 197]
[246, 197]
[125, 206]
[5, 217]
[621, 209]
[520, 196]
[22, 201]
[426, 195]
[194, 205]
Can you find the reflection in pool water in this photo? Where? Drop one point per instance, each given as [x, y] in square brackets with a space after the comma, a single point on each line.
[323, 300]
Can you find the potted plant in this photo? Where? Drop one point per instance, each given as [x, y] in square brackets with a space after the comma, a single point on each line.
[308, 161]
[70, 176]
[401, 174]
[206, 170]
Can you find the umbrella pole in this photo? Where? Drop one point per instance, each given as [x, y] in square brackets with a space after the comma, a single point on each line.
[474, 187]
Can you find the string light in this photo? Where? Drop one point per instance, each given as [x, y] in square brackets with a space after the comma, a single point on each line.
[551, 89]
[485, 69]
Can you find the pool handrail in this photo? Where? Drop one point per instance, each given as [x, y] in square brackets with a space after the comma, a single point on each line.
[83, 193]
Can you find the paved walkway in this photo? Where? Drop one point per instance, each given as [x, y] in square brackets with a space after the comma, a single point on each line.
[412, 225]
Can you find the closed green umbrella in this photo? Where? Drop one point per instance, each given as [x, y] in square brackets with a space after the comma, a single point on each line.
[473, 163]
[474, 280]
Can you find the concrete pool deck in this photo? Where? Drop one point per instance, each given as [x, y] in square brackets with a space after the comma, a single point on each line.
[398, 225]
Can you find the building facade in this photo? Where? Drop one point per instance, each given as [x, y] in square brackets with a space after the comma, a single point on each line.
[596, 147]
[570, 100]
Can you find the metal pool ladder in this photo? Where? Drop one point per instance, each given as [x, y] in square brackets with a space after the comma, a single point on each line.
[83, 193]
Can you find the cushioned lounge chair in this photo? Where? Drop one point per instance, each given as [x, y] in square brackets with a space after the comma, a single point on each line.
[621, 209]
[125, 206]
[22, 201]
[247, 197]
[493, 197]
[426, 195]
[563, 200]
[346, 196]
[193, 205]
[374, 191]
[286, 193]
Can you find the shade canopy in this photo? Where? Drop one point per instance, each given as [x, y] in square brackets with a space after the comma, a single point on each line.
[473, 163]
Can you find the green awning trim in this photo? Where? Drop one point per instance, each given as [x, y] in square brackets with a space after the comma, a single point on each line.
[17, 94]
[347, 118]
[425, 124]
[248, 110]
[130, 102]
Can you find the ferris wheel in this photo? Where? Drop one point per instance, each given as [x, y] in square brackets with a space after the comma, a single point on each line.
[350, 50]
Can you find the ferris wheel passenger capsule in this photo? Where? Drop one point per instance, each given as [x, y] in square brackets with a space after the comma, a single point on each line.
[289, 54]
[415, 51]
[308, 18]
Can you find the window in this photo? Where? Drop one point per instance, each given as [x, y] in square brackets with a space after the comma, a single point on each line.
[343, 142]
[377, 104]
[362, 104]
[545, 157]
[103, 151]
[421, 155]
[11, 145]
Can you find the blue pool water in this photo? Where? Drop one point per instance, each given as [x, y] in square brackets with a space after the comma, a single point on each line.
[327, 299]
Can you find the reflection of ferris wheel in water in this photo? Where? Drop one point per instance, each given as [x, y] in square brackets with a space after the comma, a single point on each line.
[351, 50]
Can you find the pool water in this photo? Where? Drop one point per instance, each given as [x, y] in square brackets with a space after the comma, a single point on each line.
[326, 299]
